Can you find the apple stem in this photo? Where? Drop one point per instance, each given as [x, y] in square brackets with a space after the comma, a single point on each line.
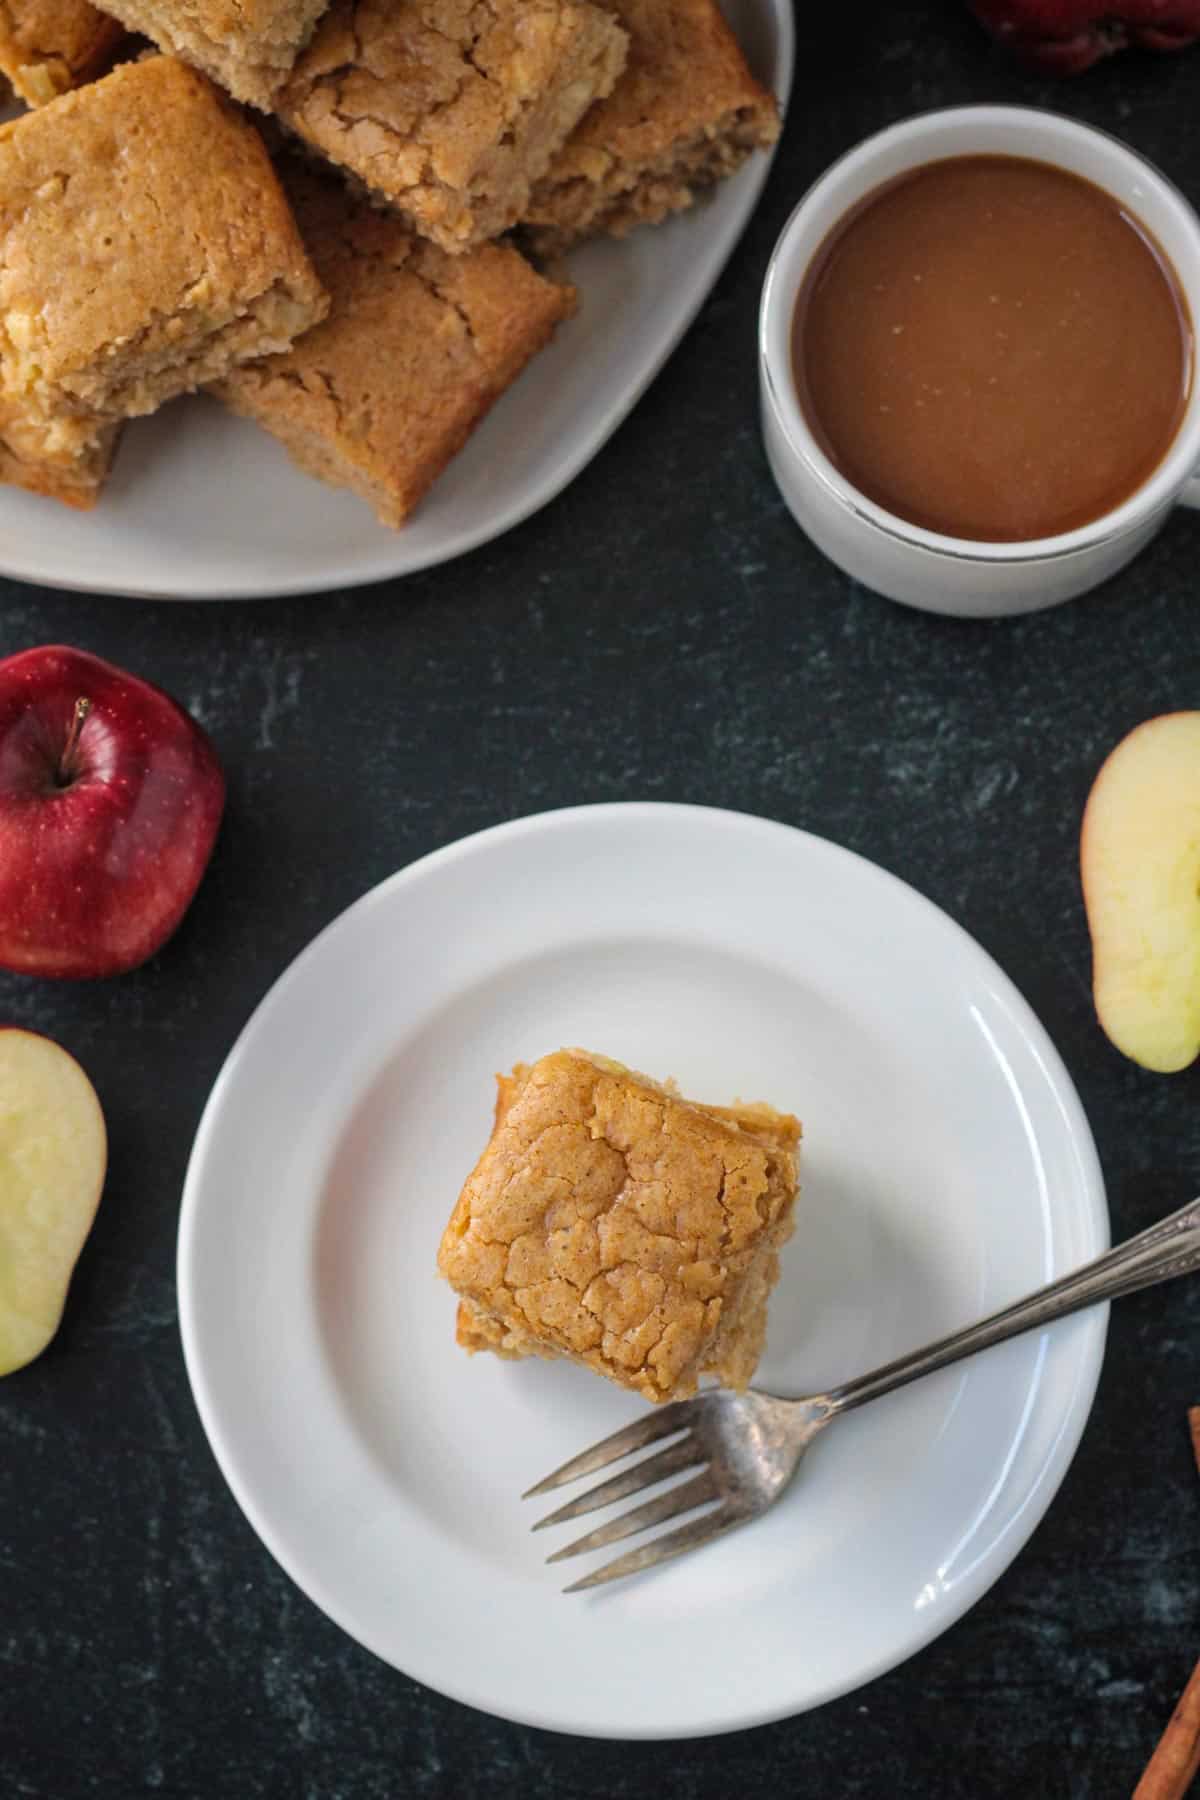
[66, 773]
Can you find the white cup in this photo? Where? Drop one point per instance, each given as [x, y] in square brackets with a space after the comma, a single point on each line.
[924, 568]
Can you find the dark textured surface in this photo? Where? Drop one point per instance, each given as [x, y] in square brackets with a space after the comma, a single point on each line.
[660, 631]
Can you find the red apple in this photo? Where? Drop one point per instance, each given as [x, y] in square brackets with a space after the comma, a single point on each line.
[1066, 36]
[110, 799]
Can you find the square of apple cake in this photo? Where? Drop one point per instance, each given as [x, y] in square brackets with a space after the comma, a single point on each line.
[614, 1223]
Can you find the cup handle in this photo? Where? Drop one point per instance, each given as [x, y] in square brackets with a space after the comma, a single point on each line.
[1189, 494]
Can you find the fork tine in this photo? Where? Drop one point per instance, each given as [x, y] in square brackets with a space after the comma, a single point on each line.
[676, 1500]
[660, 1423]
[671, 1461]
[660, 1549]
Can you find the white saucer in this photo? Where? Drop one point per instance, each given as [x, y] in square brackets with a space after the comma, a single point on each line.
[947, 1168]
[204, 506]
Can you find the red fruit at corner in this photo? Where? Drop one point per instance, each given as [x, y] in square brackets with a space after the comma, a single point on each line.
[110, 800]
[1067, 36]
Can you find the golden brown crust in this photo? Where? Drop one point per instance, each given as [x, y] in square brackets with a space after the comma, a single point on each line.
[48, 47]
[611, 1222]
[416, 348]
[686, 112]
[449, 110]
[68, 462]
[249, 46]
[145, 246]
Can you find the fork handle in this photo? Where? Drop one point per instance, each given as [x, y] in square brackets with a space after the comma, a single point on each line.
[1170, 1248]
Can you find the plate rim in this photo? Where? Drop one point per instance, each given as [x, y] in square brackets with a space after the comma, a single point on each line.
[486, 530]
[1092, 1342]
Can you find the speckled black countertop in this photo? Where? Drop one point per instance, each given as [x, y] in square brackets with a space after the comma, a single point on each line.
[660, 631]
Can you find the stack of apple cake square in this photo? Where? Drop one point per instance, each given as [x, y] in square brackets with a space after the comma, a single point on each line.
[367, 286]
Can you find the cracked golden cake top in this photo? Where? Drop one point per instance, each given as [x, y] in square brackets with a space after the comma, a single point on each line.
[612, 1221]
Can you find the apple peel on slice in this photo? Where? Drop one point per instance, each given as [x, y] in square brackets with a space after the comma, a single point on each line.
[1140, 863]
[53, 1156]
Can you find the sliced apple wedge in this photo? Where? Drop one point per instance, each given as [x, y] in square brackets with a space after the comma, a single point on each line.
[1140, 861]
[53, 1154]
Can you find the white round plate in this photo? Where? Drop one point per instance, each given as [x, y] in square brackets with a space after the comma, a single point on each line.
[947, 1168]
[204, 506]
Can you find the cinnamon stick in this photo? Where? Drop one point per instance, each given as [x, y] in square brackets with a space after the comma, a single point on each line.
[1176, 1762]
[1174, 1765]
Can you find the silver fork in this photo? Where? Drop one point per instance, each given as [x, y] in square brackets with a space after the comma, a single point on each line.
[746, 1447]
